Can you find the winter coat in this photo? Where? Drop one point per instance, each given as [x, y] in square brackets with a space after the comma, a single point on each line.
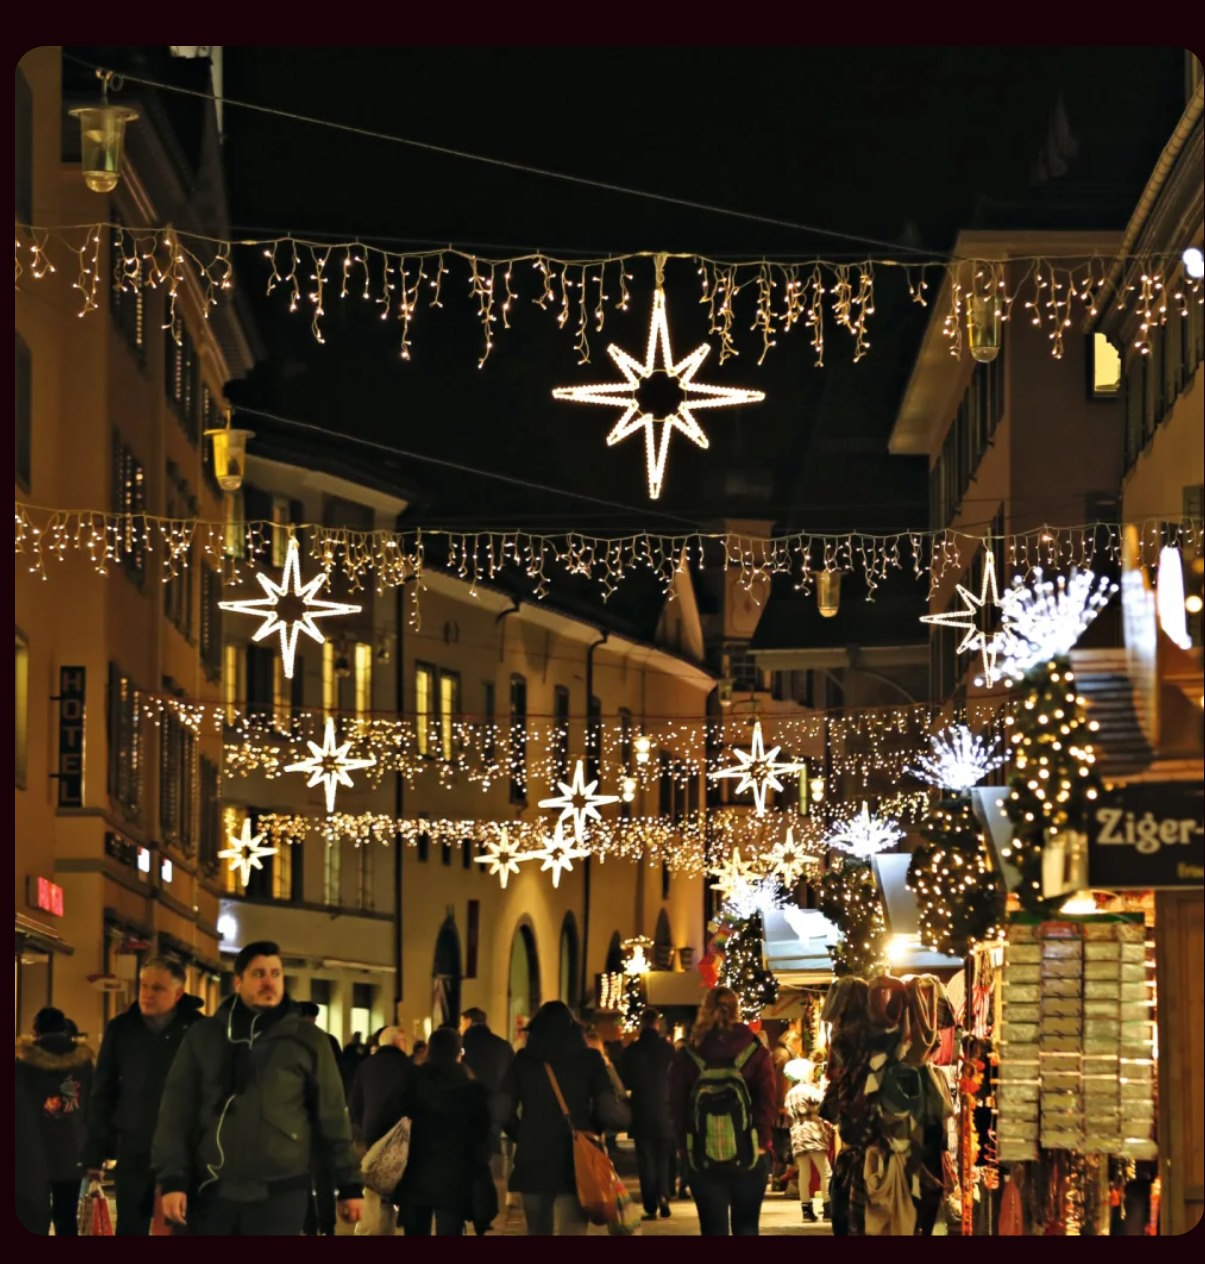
[55, 1073]
[809, 1133]
[720, 1048]
[249, 1118]
[378, 1093]
[32, 1174]
[350, 1061]
[128, 1083]
[489, 1058]
[645, 1070]
[527, 1109]
[449, 1116]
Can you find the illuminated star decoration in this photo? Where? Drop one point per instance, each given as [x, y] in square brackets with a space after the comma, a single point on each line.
[864, 835]
[757, 770]
[787, 859]
[245, 852]
[329, 763]
[558, 854]
[578, 801]
[743, 890]
[657, 430]
[503, 857]
[958, 759]
[1045, 621]
[301, 607]
[730, 873]
[967, 620]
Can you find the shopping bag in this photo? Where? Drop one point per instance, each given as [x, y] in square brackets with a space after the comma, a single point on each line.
[383, 1167]
[93, 1216]
[627, 1212]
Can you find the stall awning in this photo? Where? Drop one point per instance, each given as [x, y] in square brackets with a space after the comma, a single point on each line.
[797, 943]
[674, 989]
[906, 954]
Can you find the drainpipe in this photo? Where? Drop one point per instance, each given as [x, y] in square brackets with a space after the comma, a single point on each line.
[586, 866]
[514, 609]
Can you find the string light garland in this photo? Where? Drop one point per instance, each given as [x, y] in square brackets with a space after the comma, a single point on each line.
[400, 284]
[245, 852]
[1045, 618]
[958, 759]
[329, 764]
[578, 802]
[757, 769]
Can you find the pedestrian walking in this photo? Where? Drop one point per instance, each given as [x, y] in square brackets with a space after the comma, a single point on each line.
[722, 1099]
[375, 1105]
[811, 1136]
[54, 1077]
[645, 1069]
[136, 1055]
[528, 1110]
[488, 1057]
[252, 1097]
[320, 1214]
[354, 1055]
[449, 1113]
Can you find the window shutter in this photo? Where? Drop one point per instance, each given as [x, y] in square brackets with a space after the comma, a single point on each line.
[297, 695]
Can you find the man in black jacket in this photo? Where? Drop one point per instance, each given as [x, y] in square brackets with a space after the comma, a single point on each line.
[489, 1058]
[136, 1054]
[644, 1069]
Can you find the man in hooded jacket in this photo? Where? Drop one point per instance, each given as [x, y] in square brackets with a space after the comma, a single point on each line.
[136, 1054]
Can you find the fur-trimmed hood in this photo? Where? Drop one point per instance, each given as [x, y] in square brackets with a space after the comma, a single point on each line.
[54, 1053]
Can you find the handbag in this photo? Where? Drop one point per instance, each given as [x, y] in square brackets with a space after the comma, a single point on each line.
[603, 1196]
[384, 1165]
[92, 1217]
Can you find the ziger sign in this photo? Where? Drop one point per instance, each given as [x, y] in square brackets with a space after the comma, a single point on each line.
[1148, 835]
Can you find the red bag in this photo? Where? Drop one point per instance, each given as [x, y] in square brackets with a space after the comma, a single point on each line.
[96, 1222]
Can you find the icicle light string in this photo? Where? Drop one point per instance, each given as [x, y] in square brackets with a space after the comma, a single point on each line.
[392, 558]
[311, 274]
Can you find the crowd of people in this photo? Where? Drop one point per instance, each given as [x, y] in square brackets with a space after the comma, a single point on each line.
[253, 1121]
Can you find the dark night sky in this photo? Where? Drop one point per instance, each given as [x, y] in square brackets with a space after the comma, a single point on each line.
[862, 141]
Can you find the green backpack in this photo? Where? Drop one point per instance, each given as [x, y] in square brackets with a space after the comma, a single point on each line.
[720, 1132]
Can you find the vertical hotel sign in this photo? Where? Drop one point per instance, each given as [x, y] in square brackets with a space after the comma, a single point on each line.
[72, 690]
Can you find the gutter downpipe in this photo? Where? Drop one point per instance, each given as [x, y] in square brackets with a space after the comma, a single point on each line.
[585, 967]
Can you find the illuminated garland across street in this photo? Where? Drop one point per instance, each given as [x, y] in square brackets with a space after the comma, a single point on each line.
[386, 559]
[812, 293]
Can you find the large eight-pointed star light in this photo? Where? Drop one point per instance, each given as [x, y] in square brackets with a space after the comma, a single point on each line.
[731, 873]
[329, 763]
[967, 620]
[578, 801]
[245, 852]
[758, 770]
[289, 607]
[558, 854]
[659, 359]
[864, 835]
[503, 857]
[787, 859]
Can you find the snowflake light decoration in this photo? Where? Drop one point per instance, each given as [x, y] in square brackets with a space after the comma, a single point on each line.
[967, 620]
[578, 800]
[658, 359]
[787, 859]
[503, 857]
[1043, 621]
[958, 759]
[245, 852]
[329, 763]
[754, 894]
[864, 835]
[290, 607]
[757, 769]
[558, 853]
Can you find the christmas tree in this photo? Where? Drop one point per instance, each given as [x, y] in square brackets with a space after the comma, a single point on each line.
[849, 897]
[739, 940]
[959, 897]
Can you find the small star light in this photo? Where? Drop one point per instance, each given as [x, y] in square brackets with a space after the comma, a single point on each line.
[579, 801]
[503, 857]
[290, 607]
[787, 859]
[558, 854]
[731, 873]
[958, 759]
[966, 620]
[658, 359]
[864, 835]
[1043, 622]
[757, 769]
[245, 852]
[329, 763]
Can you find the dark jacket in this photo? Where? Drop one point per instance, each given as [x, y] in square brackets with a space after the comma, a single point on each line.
[350, 1061]
[55, 1074]
[378, 1093]
[246, 1119]
[644, 1069]
[449, 1116]
[130, 1074]
[32, 1174]
[489, 1058]
[527, 1108]
[719, 1049]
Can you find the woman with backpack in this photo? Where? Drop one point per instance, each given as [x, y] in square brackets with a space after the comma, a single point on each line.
[724, 1103]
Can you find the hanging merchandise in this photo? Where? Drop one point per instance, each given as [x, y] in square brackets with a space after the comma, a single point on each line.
[757, 769]
[849, 898]
[245, 852]
[968, 620]
[330, 764]
[578, 802]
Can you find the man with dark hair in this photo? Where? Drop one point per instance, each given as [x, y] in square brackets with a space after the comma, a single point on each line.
[488, 1057]
[644, 1068]
[252, 1098]
[136, 1054]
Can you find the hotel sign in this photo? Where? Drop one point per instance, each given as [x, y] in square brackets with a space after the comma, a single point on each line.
[1149, 834]
[72, 688]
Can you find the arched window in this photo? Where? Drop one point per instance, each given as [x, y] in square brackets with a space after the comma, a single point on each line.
[614, 955]
[663, 943]
[569, 961]
[445, 982]
[523, 993]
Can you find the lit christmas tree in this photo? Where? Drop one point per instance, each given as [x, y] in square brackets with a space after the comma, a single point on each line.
[959, 897]
[635, 967]
[849, 898]
[743, 967]
[1054, 774]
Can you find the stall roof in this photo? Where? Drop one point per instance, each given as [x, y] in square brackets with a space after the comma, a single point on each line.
[797, 943]
[669, 989]
[903, 918]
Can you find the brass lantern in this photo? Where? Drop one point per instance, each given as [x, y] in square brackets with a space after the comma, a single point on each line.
[984, 317]
[102, 134]
[229, 455]
[828, 592]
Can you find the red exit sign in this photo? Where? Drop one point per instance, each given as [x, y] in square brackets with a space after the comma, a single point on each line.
[46, 895]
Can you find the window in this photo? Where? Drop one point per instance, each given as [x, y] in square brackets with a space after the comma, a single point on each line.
[21, 707]
[364, 872]
[23, 411]
[177, 779]
[280, 530]
[210, 834]
[282, 693]
[332, 878]
[1105, 362]
[129, 498]
[593, 739]
[466, 853]
[211, 622]
[560, 735]
[970, 435]
[125, 744]
[488, 744]
[24, 155]
[181, 377]
[232, 679]
[518, 739]
[363, 670]
[127, 300]
[424, 841]
[424, 700]
[282, 873]
[179, 572]
[260, 680]
[236, 526]
[449, 710]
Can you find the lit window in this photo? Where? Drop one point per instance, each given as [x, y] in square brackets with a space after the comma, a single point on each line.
[333, 875]
[280, 529]
[449, 709]
[236, 531]
[1106, 366]
[232, 665]
[22, 708]
[330, 686]
[282, 874]
[363, 678]
[424, 690]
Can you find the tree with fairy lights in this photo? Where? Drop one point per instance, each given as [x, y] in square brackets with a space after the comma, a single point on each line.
[849, 898]
[1054, 774]
[960, 898]
[636, 965]
[738, 944]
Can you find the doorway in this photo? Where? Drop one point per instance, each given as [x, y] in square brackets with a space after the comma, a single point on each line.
[445, 981]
